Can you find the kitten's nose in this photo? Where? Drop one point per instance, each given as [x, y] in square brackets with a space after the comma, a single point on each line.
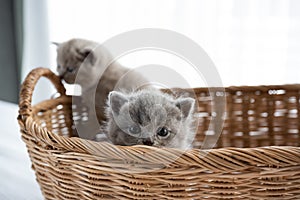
[61, 75]
[147, 141]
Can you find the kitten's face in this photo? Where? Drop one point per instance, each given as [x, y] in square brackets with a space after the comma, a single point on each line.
[150, 118]
[75, 54]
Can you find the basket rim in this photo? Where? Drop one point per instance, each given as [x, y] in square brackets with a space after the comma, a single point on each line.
[254, 156]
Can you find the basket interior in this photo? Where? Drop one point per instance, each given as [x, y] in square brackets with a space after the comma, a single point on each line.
[254, 116]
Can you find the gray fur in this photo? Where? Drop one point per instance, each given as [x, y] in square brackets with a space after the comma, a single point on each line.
[90, 59]
[149, 110]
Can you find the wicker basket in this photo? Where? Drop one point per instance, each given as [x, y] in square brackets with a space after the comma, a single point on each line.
[256, 157]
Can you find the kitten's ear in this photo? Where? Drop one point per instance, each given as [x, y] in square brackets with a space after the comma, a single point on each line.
[186, 105]
[116, 101]
[88, 53]
[55, 43]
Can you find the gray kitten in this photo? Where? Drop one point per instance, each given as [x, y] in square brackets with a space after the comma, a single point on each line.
[83, 61]
[150, 117]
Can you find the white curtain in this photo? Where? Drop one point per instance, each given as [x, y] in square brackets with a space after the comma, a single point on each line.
[251, 42]
[37, 45]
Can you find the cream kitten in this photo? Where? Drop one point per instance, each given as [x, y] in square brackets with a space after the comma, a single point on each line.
[84, 61]
[150, 117]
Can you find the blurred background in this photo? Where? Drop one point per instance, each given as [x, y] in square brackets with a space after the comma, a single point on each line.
[251, 42]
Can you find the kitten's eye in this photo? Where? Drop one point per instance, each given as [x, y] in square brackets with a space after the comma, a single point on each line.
[162, 132]
[58, 67]
[134, 130]
[69, 69]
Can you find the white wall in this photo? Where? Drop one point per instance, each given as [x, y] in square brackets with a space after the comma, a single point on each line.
[251, 41]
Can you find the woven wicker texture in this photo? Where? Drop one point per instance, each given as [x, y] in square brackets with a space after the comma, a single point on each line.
[256, 157]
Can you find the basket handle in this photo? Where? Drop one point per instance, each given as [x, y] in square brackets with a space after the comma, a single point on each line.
[28, 86]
